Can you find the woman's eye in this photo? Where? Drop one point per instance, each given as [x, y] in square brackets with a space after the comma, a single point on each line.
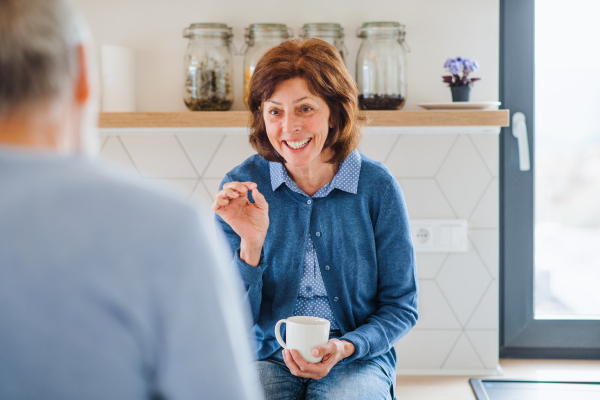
[273, 112]
[306, 109]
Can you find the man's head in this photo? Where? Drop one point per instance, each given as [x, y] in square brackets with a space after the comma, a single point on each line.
[44, 77]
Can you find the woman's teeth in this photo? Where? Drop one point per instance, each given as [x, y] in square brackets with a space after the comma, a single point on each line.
[298, 145]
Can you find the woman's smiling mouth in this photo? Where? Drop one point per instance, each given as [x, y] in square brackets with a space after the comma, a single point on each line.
[297, 145]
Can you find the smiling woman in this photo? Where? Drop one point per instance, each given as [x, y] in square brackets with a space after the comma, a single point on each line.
[297, 129]
[324, 78]
[328, 234]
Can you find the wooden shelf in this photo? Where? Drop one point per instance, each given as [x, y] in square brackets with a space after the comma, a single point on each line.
[224, 119]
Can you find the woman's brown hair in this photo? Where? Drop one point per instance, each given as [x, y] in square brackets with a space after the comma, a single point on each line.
[320, 65]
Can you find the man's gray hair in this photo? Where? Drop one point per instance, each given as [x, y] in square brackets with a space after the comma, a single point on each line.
[38, 52]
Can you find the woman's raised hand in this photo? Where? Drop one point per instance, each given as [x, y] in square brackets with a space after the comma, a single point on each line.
[249, 220]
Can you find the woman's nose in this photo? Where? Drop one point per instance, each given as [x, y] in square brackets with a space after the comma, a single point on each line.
[291, 123]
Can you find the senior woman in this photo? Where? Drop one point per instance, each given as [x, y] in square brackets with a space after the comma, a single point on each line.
[318, 229]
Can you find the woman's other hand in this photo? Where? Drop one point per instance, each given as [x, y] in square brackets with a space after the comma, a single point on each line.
[249, 220]
[333, 352]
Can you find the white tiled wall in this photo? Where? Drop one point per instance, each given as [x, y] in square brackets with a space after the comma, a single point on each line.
[443, 177]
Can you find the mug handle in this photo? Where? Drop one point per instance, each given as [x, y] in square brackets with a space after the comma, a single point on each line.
[278, 334]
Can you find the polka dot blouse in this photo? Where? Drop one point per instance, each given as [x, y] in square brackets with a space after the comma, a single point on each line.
[312, 299]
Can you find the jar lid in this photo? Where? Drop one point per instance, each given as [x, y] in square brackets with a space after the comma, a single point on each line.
[208, 29]
[321, 29]
[384, 27]
[272, 30]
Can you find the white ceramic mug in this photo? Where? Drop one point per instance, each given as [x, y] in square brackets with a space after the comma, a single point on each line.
[303, 334]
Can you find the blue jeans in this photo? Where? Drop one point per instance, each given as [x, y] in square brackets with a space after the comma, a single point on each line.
[357, 379]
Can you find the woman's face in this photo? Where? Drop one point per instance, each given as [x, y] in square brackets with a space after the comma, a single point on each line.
[297, 123]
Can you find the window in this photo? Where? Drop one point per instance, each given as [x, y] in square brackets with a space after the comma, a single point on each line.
[550, 214]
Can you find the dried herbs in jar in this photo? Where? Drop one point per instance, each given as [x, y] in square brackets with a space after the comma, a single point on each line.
[208, 68]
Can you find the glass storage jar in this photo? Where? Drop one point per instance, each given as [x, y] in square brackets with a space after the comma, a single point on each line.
[259, 39]
[381, 66]
[328, 32]
[208, 67]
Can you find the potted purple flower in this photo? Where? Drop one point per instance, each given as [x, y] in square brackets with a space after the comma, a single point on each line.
[460, 86]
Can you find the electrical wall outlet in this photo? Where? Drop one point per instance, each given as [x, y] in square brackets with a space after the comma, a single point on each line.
[439, 235]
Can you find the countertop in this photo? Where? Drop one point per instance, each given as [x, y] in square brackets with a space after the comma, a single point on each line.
[458, 387]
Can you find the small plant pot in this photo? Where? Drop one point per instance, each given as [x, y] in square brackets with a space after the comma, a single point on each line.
[460, 93]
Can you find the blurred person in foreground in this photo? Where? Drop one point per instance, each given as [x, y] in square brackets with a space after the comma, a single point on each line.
[108, 289]
[325, 234]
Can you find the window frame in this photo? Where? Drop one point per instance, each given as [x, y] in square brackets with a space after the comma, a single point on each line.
[521, 335]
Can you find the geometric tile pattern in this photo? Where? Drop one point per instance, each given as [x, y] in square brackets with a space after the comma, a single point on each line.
[463, 279]
[479, 339]
[426, 349]
[487, 146]
[377, 146]
[425, 199]
[485, 315]
[212, 187]
[419, 156]
[201, 193]
[463, 356]
[200, 149]
[428, 264]
[159, 156]
[434, 310]
[485, 242]
[463, 177]
[113, 151]
[442, 177]
[232, 151]
[486, 212]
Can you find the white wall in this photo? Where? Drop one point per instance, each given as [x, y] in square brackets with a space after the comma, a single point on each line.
[436, 30]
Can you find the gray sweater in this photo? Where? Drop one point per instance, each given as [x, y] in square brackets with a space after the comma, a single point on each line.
[112, 290]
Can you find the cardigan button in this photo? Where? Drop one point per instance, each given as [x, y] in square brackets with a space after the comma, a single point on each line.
[327, 268]
[336, 298]
[318, 234]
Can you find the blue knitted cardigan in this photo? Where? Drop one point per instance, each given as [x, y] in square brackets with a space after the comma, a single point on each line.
[363, 244]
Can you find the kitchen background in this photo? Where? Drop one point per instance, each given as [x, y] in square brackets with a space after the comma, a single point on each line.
[444, 176]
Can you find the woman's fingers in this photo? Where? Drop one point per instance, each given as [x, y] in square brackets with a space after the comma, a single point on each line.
[327, 348]
[240, 187]
[222, 201]
[223, 197]
[230, 191]
[291, 364]
[300, 367]
[259, 199]
[229, 194]
[233, 190]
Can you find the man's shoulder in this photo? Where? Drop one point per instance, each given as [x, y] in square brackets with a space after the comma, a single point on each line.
[103, 213]
[106, 189]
